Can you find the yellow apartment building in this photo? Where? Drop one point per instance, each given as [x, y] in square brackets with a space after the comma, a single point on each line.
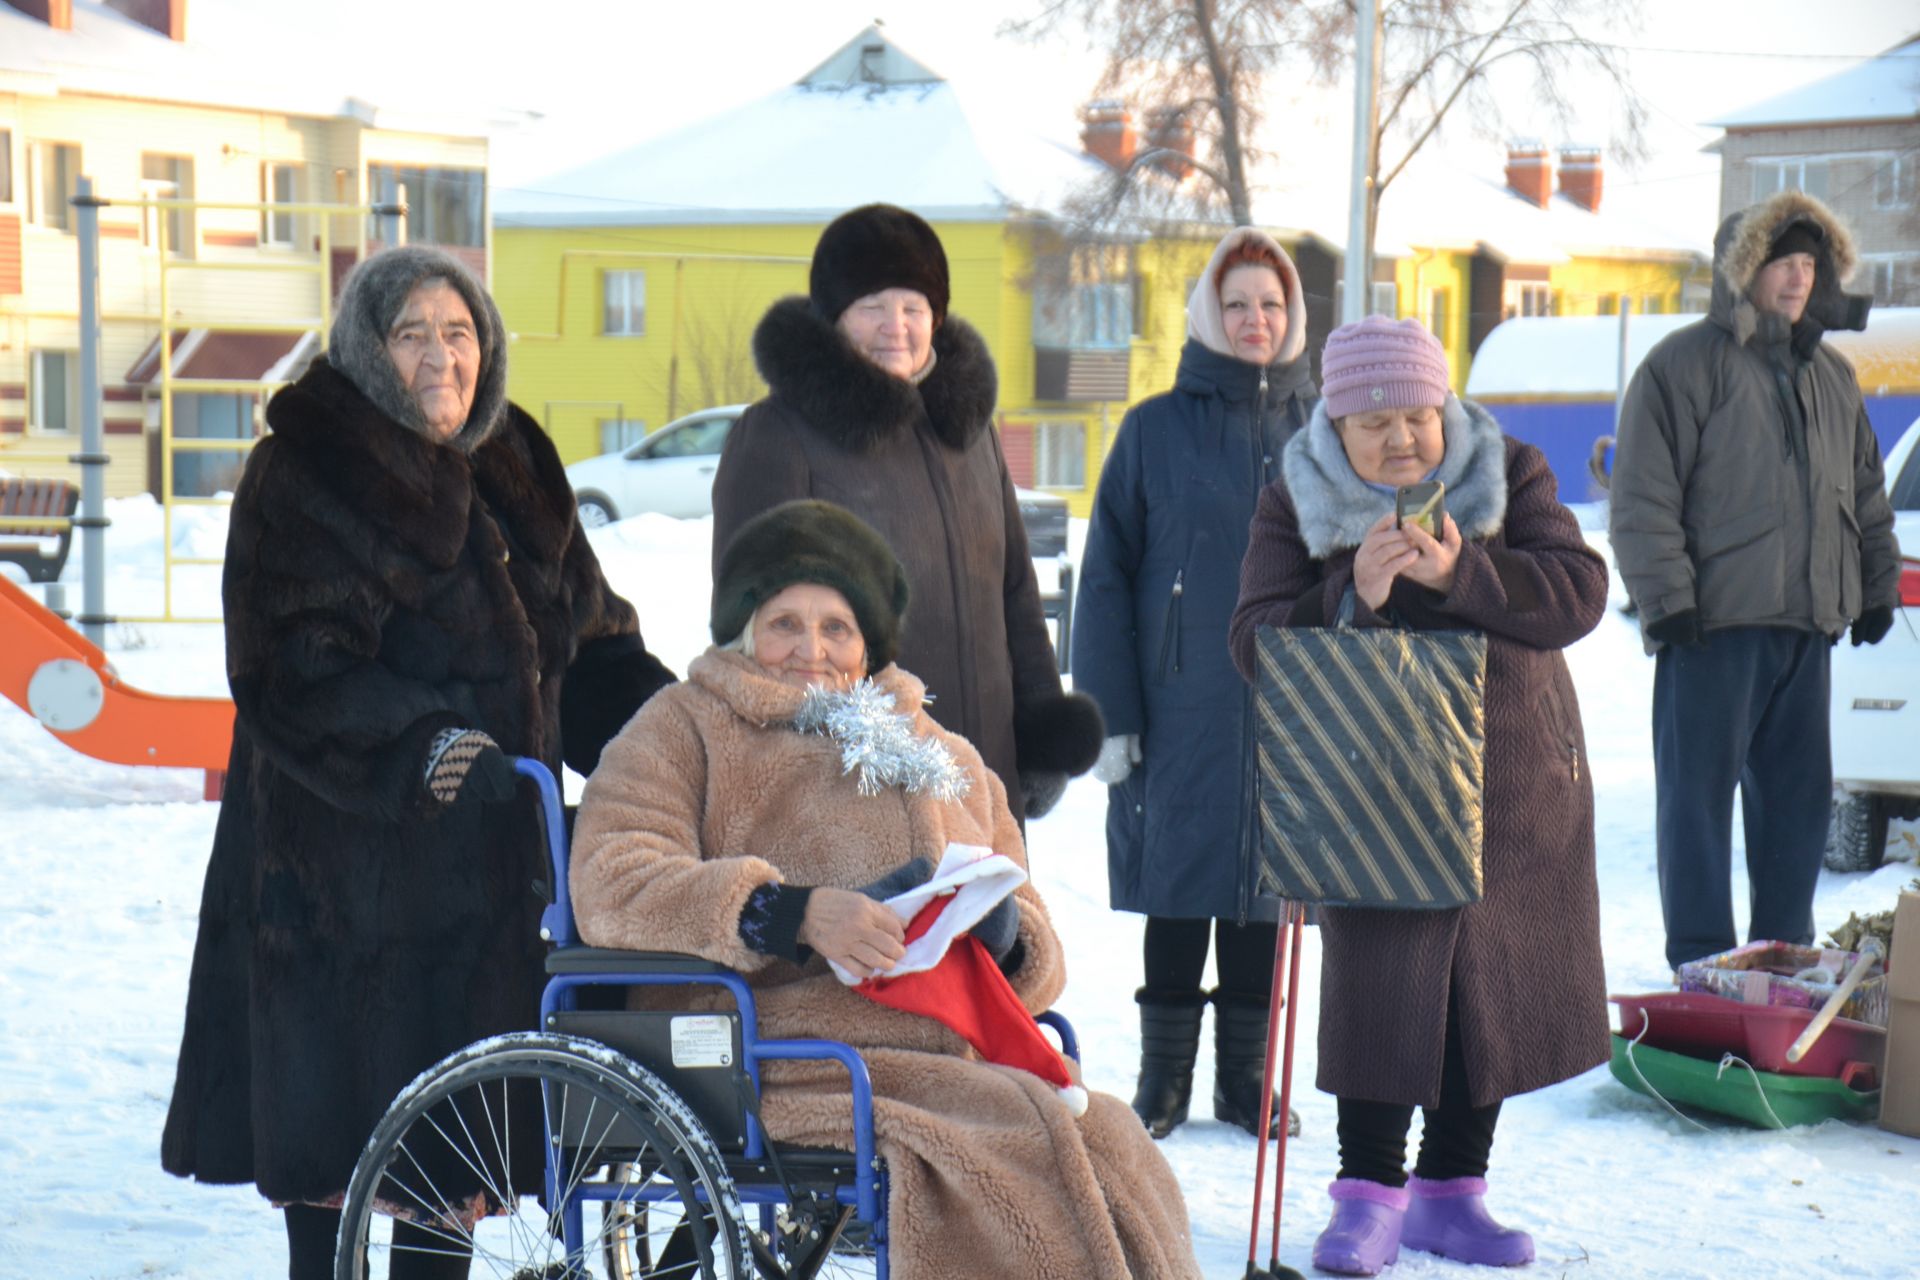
[631, 286]
[148, 113]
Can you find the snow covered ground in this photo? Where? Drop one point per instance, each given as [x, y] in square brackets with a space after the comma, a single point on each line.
[103, 865]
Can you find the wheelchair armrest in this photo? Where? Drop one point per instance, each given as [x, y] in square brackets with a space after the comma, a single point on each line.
[1069, 1042]
[609, 960]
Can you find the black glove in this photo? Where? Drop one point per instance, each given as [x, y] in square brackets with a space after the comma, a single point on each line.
[1682, 628]
[467, 765]
[999, 928]
[1872, 626]
[1040, 791]
[910, 875]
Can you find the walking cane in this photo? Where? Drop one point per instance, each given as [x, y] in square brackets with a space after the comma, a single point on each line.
[1292, 919]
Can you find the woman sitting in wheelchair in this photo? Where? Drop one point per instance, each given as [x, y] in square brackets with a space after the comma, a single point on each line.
[759, 814]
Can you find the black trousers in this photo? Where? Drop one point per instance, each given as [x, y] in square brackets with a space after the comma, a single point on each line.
[1747, 707]
[419, 1255]
[1456, 1138]
[1176, 955]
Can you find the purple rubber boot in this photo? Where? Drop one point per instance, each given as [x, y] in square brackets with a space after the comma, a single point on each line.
[1450, 1218]
[1364, 1235]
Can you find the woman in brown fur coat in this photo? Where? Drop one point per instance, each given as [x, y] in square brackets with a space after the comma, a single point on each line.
[717, 827]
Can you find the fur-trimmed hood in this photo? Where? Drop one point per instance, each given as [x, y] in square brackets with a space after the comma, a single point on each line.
[1740, 250]
[1336, 507]
[810, 364]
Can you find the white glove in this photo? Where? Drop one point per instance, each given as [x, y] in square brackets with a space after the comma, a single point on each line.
[1118, 755]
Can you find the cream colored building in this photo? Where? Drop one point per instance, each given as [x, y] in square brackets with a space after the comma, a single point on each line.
[148, 110]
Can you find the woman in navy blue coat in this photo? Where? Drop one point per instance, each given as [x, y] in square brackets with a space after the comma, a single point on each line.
[1159, 580]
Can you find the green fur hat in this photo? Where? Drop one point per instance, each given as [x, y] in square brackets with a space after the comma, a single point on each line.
[815, 542]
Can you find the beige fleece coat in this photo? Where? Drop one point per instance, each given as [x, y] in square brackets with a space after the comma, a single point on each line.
[708, 793]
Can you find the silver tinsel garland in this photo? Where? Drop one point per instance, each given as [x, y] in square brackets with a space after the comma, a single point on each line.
[879, 744]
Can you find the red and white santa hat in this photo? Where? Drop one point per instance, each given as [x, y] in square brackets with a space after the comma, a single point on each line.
[948, 975]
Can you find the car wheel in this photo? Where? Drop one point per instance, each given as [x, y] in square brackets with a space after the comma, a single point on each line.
[1857, 835]
[595, 511]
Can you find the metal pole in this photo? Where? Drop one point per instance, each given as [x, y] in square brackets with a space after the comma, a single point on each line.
[1620, 371]
[1358, 266]
[92, 458]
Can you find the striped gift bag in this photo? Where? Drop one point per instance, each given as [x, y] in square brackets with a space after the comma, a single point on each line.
[1371, 746]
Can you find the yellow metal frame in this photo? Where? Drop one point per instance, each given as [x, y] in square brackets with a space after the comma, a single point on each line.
[321, 268]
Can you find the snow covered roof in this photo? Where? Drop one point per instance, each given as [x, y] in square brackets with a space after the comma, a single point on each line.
[1882, 88]
[226, 61]
[870, 123]
[1580, 355]
[1441, 207]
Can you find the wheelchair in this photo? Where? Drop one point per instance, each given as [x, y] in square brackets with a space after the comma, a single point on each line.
[612, 1144]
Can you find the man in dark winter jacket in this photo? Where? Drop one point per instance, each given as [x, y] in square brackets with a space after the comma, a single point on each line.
[1750, 522]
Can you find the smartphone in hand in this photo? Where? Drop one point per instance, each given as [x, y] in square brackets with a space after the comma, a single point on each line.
[1423, 504]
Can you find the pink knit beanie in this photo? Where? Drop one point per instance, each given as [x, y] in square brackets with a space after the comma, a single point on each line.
[1379, 363]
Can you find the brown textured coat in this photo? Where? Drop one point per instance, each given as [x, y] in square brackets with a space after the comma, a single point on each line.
[1524, 963]
[709, 793]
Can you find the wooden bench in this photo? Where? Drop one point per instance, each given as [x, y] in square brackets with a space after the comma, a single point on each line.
[26, 545]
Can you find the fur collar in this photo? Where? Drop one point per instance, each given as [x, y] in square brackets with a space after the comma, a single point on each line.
[1336, 507]
[1740, 250]
[809, 364]
[421, 492]
[754, 696]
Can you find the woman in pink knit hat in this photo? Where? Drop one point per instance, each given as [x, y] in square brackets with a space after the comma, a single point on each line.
[1452, 1011]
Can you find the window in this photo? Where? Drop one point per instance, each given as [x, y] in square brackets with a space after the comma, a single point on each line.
[702, 439]
[1893, 182]
[56, 391]
[624, 294]
[1440, 315]
[1386, 298]
[1607, 304]
[444, 206]
[6, 166]
[1060, 455]
[1528, 298]
[1770, 176]
[201, 473]
[617, 435]
[1893, 278]
[1652, 304]
[279, 184]
[53, 169]
[1078, 317]
[167, 178]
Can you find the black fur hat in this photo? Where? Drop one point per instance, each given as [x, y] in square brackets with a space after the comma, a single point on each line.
[816, 542]
[875, 247]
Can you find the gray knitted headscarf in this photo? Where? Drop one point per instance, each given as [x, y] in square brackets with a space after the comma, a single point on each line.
[368, 306]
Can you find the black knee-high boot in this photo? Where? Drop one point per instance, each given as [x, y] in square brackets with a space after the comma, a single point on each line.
[1169, 1043]
[1240, 1062]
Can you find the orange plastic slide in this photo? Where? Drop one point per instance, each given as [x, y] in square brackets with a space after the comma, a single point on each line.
[57, 676]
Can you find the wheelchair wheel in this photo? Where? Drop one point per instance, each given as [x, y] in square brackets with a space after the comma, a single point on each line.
[458, 1168]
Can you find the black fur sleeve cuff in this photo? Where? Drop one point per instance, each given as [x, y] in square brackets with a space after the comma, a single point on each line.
[770, 922]
[1057, 733]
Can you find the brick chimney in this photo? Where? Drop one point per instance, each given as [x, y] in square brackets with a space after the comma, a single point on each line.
[1580, 175]
[1169, 132]
[168, 17]
[57, 14]
[1108, 133]
[1529, 175]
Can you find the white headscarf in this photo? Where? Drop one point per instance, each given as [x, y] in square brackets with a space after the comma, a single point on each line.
[1204, 318]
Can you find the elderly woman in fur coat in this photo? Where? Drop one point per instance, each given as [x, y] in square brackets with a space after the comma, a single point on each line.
[409, 597]
[1451, 1010]
[883, 403]
[722, 822]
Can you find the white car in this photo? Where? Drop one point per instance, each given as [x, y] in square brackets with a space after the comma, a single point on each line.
[1876, 698]
[669, 472]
